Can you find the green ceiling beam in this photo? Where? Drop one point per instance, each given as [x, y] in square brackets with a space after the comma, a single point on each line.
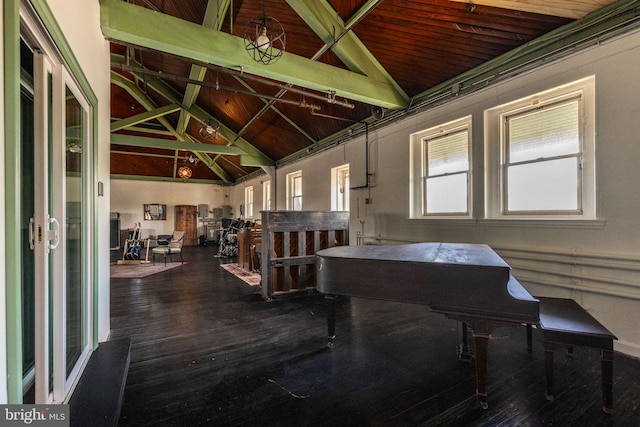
[213, 18]
[144, 117]
[164, 179]
[150, 130]
[322, 18]
[141, 141]
[121, 21]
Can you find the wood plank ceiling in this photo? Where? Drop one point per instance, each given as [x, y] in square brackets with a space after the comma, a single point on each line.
[179, 64]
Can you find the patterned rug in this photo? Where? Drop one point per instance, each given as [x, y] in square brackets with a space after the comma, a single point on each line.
[138, 271]
[251, 278]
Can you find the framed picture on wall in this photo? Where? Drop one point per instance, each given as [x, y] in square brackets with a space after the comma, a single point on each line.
[154, 212]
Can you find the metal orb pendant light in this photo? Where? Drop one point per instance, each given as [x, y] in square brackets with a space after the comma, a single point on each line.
[264, 39]
[184, 172]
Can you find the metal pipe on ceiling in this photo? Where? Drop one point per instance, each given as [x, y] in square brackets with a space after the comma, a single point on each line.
[329, 98]
[302, 103]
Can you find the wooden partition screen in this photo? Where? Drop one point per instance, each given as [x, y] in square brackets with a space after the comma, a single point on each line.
[290, 240]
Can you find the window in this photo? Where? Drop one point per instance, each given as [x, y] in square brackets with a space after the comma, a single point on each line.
[340, 188]
[266, 195]
[542, 161]
[441, 170]
[248, 202]
[294, 191]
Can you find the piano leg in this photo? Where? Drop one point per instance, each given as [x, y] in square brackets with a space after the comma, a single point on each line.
[464, 353]
[330, 302]
[482, 345]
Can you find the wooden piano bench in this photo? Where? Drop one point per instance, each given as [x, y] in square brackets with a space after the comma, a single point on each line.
[565, 324]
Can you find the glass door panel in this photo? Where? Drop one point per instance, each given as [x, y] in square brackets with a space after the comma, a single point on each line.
[27, 211]
[75, 312]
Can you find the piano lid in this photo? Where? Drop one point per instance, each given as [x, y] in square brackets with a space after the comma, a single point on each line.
[467, 254]
[457, 279]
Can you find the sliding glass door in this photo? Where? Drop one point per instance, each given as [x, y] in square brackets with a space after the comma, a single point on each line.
[56, 251]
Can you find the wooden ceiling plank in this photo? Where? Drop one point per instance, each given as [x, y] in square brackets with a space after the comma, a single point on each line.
[565, 8]
[144, 117]
[121, 21]
[143, 129]
[320, 16]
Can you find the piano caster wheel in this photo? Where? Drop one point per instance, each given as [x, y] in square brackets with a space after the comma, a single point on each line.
[482, 400]
[330, 342]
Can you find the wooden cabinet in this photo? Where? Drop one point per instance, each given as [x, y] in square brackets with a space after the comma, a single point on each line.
[186, 219]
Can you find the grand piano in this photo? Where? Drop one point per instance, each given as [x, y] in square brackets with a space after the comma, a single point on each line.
[466, 282]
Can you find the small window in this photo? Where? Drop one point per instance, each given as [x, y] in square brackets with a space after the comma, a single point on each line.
[266, 195]
[248, 202]
[294, 191]
[340, 188]
[441, 170]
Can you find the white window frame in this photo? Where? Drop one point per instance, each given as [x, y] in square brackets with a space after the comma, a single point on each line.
[266, 195]
[495, 152]
[248, 202]
[293, 179]
[340, 188]
[419, 164]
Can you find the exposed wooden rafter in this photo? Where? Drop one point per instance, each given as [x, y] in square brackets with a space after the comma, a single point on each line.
[121, 21]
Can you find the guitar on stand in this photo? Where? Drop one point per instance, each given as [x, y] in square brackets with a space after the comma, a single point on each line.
[133, 247]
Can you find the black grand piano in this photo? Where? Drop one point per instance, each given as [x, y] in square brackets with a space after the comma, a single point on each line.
[465, 282]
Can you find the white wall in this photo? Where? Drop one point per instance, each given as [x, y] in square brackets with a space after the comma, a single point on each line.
[127, 198]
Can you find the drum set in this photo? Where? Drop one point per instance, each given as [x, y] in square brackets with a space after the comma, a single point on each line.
[229, 238]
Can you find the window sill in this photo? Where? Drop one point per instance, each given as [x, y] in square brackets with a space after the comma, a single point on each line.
[446, 220]
[592, 223]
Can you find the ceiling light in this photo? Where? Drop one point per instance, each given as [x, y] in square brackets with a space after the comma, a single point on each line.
[191, 160]
[184, 172]
[264, 39]
[209, 129]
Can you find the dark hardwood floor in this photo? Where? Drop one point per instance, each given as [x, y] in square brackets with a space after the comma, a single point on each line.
[208, 350]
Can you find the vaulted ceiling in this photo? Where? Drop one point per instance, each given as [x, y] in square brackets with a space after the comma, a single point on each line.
[185, 85]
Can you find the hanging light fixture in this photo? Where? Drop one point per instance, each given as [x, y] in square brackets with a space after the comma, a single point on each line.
[191, 160]
[264, 39]
[185, 171]
[209, 129]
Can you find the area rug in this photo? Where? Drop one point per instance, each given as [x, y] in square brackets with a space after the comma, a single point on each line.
[252, 279]
[138, 271]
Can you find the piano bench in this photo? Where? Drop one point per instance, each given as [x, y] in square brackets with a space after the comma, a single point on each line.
[565, 324]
